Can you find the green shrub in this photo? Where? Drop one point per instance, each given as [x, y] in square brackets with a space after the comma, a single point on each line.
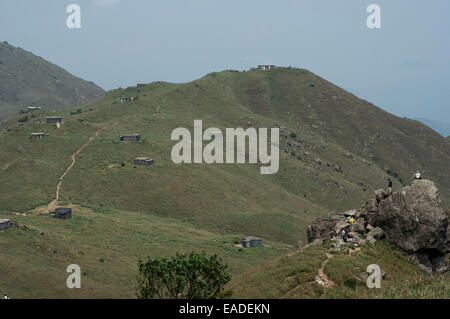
[187, 276]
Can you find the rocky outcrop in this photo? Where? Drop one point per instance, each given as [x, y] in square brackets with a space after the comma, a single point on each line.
[413, 220]
[410, 218]
[324, 227]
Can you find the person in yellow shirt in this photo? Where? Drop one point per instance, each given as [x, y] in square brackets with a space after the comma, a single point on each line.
[351, 221]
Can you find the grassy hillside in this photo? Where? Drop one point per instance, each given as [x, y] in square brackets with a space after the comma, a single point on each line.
[335, 150]
[106, 244]
[294, 276]
[28, 80]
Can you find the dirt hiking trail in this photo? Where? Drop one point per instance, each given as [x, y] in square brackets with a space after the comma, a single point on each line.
[53, 204]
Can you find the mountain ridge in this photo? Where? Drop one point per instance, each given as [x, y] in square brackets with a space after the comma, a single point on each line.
[334, 149]
[29, 80]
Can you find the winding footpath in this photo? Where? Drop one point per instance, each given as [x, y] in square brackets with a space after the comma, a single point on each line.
[53, 204]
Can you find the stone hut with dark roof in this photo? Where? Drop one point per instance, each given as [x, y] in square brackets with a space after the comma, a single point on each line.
[62, 213]
[54, 119]
[5, 224]
[130, 137]
[143, 161]
[250, 242]
[38, 135]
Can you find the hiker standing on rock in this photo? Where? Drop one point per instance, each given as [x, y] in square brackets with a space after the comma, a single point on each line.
[5, 296]
[417, 175]
[389, 182]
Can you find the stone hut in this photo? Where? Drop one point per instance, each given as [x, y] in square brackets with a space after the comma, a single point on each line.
[125, 99]
[54, 119]
[130, 137]
[5, 224]
[143, 161]
[37, 135]
[140, 85]
[33, 108]
[250, 242]
[62, 213]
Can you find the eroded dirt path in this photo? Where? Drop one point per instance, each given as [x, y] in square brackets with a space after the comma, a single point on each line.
[4, 168]
[54, 203]
[321, 278]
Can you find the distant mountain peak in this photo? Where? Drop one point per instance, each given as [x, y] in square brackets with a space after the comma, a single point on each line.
[29, 80]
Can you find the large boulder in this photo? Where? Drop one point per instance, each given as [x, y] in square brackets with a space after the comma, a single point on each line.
[413, 219]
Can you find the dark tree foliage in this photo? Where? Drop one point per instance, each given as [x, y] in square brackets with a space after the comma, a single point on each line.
[185, 276]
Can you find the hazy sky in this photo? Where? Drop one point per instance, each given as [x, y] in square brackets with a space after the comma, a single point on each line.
[403, 67]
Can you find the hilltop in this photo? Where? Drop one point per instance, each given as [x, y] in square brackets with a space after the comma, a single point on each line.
[29, 80]
[334, 150]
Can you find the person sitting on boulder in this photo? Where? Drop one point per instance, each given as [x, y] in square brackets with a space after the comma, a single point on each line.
[417, 175]
[344, 235]
[5, 296]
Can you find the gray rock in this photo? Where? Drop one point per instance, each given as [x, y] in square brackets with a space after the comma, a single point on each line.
[380, 194]
[324, 227]
[315, 242]
[369, 211]
[351, 213]
[440, 264]
[355, 239]
[376, 233]
[423, 262]
[371, 240]
[358, 227]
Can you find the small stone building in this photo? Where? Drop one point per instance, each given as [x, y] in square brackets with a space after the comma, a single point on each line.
[140, 85]
[130, 137]
[265, 67]
[143, 161]
[250, 242]
[5, 224]
[54, 119]
[125, 99]
[33, 108]
[38, 135]
[62, 213]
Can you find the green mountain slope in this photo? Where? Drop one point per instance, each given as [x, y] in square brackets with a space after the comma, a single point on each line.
[334, 150]
[28, 80]
[294, 276]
